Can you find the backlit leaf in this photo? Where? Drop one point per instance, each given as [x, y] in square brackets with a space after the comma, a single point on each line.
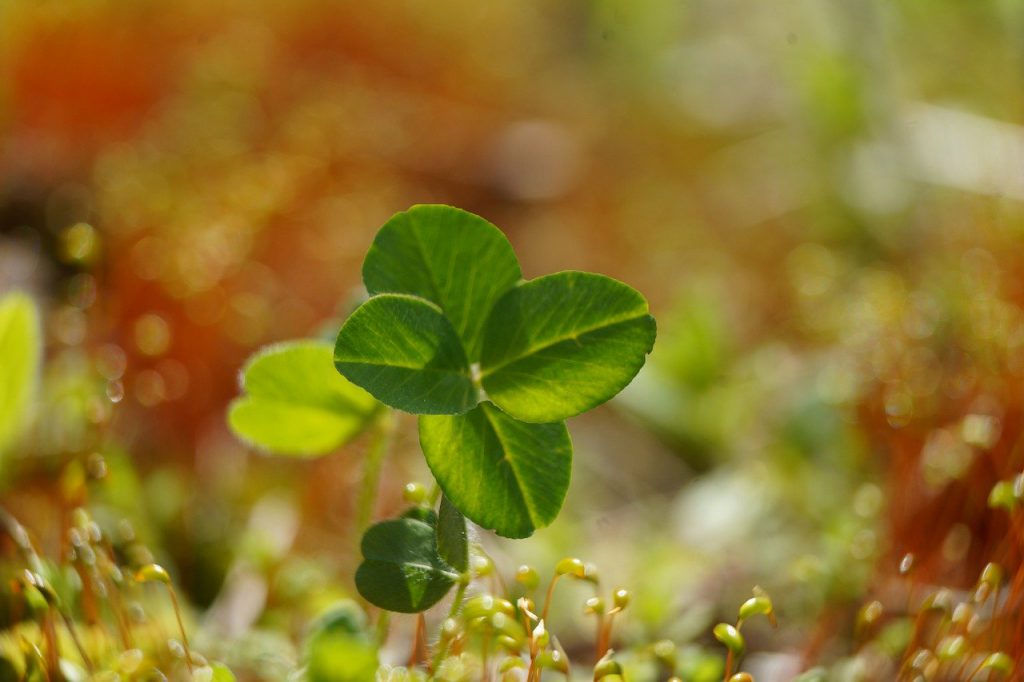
[561, 344]
[450, 257]
[503, 474]
[405, 352]
[296, 403]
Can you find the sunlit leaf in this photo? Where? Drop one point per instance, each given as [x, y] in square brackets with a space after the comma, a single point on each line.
[401, 569]
[503, 474]
[20, 358]
[296, 403]
[450, 257]
[405, 352]
[561, 344]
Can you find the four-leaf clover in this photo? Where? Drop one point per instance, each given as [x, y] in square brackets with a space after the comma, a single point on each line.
[492, 363]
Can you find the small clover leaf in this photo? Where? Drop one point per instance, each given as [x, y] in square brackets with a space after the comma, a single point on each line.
[295, 404]
[402, 570]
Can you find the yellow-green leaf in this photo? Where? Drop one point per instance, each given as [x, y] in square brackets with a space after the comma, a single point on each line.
[296, 403]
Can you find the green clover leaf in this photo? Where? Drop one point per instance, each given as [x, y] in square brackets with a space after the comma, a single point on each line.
[404, 351]
[562, 344]
[504, 474]
[454, 259]
[402, 570]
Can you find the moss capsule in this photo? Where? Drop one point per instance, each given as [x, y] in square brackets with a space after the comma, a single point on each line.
[528, 577]
[729, 636]
[607, 666]
[153, 573]
[414, 493]
[594, 605]
[571, 566]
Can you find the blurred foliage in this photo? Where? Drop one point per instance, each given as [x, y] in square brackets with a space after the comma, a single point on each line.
[19, 374]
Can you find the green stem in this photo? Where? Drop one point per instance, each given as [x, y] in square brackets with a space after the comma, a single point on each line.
[383, 433]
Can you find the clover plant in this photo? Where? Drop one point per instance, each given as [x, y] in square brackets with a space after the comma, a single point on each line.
[493, 365]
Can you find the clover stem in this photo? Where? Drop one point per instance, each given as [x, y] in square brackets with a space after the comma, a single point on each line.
[459, 594]
[728, 666]
[382, 435]
[181, 626]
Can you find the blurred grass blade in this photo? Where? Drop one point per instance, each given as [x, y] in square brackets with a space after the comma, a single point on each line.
[20, 359]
